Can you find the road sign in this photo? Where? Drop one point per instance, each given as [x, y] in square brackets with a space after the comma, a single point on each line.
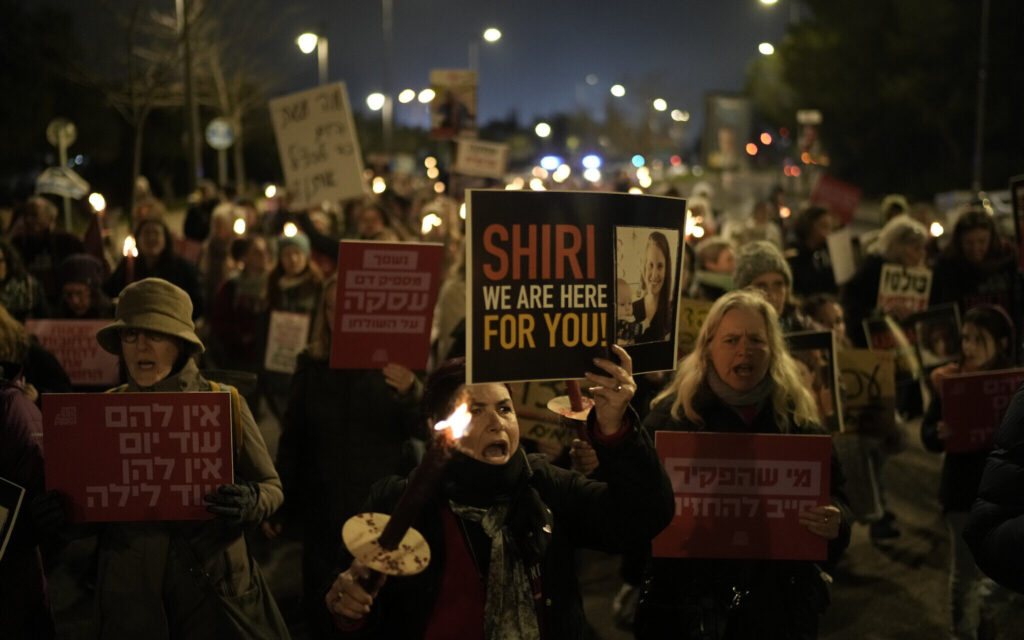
[220, 134]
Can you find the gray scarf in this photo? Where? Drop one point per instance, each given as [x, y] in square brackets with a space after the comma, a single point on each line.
[734, 398]
[509, 609]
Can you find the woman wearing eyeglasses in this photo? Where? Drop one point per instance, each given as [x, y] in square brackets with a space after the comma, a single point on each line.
[178, 579]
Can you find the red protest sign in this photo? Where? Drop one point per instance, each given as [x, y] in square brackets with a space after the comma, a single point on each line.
[973, 405]
[73, 343]
[837, 196]
[137, 456]
[384, 305]
[738, 495]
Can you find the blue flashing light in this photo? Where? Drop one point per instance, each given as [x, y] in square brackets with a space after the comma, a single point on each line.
[591, 162]
[550, 163]
[638, 161]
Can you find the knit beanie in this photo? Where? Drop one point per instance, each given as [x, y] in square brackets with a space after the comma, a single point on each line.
[299, 240]
[80, 267]
[757, 258]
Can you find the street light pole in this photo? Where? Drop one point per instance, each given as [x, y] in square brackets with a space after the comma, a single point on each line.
[321, 59]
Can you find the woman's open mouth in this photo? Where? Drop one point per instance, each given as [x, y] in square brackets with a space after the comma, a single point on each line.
[496, 450]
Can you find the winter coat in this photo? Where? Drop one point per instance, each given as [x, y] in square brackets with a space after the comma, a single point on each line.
[342, 431]
[172, 268]
[678, 595]
[996, 525]
[628, 509]
[961, 472]
[145, 586]
[998, 282]
[860, 297]
[26, 608]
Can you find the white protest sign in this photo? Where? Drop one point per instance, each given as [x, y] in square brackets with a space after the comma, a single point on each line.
[316, 139]
[286, 339]
[482, 159]
[907, 287]
[840, 248]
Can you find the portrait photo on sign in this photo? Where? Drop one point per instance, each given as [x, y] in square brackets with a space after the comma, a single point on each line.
[645, 294]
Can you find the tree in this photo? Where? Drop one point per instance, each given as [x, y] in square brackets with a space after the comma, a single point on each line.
[896, 82]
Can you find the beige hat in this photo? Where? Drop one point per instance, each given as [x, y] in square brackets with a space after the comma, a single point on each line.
[152, 304]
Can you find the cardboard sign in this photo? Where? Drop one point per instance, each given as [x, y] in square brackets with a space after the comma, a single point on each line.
[536, 421]
[908, 287]
[11, 496]
[453, 110]
[886, 334]
[551, 274]
[316, 139]
[482, 159]
[837, 196]
[137, 456]
[692, 314]
[868, 380]
[286, 338]
[815, 354]
[738, 495]
[973, 405]
[385, 304]
[73, 343]
[840, 250]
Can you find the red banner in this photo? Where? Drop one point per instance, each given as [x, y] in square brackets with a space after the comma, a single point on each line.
[738, 495]
[837, 196]
[73, 343]
[385, 304]
[137, 456]
[973, 405]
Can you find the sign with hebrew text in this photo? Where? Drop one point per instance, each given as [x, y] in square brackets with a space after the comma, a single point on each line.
[384, 305]
[316, 139]
[973, 405]
[73, 343]
[738, 495]
[907, 287]
[137, 456]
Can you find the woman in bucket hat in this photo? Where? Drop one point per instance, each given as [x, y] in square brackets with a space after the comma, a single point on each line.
[191, 579]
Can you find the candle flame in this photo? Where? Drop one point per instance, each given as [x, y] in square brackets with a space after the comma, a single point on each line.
[458, 421]
[130, 248]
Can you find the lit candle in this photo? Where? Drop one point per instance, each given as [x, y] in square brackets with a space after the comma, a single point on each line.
[130, 250]
[424, 480]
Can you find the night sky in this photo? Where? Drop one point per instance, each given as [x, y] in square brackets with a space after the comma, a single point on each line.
[674, 49]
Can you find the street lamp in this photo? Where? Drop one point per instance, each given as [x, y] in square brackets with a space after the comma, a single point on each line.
[542, 129]
[766, 48]
[375, 101]
[309, 41]
[618, 90]
[406, 96]
[491, 34]
[659, 104]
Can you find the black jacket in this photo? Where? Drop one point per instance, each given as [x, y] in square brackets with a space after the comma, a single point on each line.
[633, 506]
[996, 526]
[860, 297]
[785, 597]
[961, 472]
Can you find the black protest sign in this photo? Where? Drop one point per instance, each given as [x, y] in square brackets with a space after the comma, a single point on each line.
[551, 275]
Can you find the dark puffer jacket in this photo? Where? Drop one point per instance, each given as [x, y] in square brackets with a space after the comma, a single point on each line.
[996, 526]
[679, 596]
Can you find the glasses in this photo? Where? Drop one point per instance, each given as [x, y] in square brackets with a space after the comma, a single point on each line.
[131, 336]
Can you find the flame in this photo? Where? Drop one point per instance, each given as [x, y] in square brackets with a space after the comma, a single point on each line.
[458, 421]
[130, 248]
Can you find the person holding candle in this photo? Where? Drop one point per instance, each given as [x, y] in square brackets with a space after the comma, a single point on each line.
[342, 431]
[501, 525]
[740, 379]
[157, 259]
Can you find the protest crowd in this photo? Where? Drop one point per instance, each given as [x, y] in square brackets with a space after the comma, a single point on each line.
[774, 317]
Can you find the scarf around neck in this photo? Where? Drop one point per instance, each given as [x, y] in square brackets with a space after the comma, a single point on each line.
[488, 494]
[734, 398]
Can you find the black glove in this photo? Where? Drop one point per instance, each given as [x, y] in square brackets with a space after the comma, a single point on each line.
[49, 514]
[235, 503]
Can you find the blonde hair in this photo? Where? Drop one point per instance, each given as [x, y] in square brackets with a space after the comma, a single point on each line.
[13, 338]
[320, 337]
[790, 399]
